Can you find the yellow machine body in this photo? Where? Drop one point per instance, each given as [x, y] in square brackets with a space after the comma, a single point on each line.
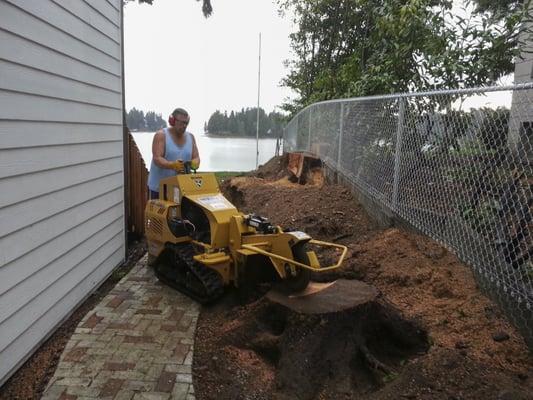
[229, 240]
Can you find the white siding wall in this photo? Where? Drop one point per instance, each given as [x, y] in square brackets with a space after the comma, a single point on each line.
[61, 163]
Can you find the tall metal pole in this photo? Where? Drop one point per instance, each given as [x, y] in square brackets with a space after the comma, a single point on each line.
[258, 96]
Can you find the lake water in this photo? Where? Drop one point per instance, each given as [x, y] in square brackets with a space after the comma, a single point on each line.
[217, 154]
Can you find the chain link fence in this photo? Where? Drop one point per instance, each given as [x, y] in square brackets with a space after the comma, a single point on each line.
[457, 165]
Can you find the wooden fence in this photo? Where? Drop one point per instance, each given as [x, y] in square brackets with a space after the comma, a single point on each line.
[137, 188]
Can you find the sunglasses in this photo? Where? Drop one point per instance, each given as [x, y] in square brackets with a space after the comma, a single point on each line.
[182, 122]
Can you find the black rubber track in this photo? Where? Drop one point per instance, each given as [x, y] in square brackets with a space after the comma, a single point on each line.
[190, 277]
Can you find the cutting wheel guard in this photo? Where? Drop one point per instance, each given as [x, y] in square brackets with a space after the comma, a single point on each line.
[299, 264]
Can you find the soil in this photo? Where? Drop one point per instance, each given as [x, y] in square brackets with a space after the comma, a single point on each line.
[32, 377]
[430, 334]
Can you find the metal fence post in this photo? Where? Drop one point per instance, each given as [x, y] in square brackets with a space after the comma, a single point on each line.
[296, 132]
[280, 140]
[341, 128]
[399, 134]
[309, 131]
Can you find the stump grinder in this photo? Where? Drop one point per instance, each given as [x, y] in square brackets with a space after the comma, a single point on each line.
[199, 243]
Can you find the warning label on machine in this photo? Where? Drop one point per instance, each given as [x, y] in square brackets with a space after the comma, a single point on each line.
[217, 202]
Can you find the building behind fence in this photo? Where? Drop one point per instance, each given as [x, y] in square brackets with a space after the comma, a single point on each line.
[457, 168]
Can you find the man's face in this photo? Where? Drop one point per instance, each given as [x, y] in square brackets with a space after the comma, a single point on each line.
[181, 123]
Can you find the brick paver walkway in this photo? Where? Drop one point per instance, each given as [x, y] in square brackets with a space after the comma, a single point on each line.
[136, 344]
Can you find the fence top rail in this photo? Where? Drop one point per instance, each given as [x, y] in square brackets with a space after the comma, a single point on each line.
[475, 90]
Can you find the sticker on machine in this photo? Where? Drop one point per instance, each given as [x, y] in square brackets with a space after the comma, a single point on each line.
[217, 202]
[299, 235]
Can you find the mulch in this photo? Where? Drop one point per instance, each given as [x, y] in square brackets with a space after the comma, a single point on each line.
[431, 334]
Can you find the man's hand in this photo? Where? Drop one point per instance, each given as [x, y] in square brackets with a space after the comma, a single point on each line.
[195, 163]
[178, 166]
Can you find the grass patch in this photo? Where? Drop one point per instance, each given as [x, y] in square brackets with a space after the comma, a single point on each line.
[223, 175]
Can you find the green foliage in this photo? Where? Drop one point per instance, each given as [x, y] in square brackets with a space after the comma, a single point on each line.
[225, 175]
[389, 377]
[498, 7]
[483, 216]
[481, 182]
[137, 120]
[494, 128]
[119, 273]
[347, 48]
[529, 269]
[244, 123]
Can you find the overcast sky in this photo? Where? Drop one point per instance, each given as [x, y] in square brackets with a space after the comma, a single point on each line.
[174, 57]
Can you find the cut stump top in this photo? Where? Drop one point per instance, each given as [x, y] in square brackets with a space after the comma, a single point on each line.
[324, 298]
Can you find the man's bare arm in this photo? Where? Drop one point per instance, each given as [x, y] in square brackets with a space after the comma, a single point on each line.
[195, 154]
[158, 151]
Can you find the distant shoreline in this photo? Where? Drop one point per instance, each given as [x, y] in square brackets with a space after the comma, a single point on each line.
[216, 136]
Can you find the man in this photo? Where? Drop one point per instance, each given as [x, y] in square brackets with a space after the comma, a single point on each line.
[170, 149]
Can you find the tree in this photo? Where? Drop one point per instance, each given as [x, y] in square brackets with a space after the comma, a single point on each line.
[215, 122]
[154, 121]
[137, 120]
[207, 9]
[244, 123]
[498, 7]
[387, 46]
[233, 125]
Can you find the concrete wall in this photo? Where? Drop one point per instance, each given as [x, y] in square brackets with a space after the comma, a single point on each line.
[61, 163]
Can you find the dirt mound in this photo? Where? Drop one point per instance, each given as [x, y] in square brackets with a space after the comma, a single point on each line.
[445, 374]
[273, 169]
[330, 212]
[426, 285]
[428, 282]
[277, 168]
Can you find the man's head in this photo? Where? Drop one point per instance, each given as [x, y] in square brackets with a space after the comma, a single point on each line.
[179, 119]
